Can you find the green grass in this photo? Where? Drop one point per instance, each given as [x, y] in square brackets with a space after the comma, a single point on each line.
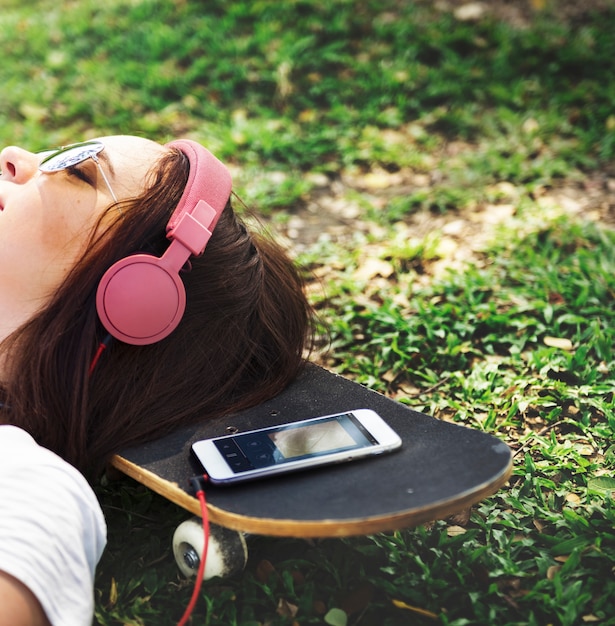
[308, 86]
[305, 99]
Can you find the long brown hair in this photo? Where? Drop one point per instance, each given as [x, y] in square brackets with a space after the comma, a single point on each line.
[241, 340]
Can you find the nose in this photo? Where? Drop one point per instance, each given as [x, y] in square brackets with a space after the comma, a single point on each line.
[18, 165]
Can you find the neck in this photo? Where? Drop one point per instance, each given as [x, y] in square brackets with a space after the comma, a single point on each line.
[18, 305]
[14, 314]
[11, 318]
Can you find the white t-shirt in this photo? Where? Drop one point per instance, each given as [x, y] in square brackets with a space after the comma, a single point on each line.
[52, 530]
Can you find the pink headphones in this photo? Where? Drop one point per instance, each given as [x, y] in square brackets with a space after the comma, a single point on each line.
[141, 298]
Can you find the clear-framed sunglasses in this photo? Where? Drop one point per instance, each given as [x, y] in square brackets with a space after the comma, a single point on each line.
[69, 156]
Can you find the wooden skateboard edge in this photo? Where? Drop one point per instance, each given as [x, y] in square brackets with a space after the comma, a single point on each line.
[310, 528]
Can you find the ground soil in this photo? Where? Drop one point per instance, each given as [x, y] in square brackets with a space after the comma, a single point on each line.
[331, 211]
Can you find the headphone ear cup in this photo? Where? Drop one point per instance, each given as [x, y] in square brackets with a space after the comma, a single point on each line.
[139, 301]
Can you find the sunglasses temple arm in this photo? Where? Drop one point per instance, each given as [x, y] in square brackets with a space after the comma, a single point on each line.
[102, 173]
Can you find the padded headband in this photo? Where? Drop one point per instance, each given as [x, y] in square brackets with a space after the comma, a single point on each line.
[141, 298]
[208, 187]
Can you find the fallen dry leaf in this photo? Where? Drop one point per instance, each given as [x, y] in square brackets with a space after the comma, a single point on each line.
[415, 609]
[357, 600]
[572, 498]
[113, 593]
[461, 518]
[373, 267]
[286, 609]
[319, 607]
[559, 342]
[264, 570]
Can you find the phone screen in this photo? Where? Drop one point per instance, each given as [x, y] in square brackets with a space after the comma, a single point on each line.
[281, 444]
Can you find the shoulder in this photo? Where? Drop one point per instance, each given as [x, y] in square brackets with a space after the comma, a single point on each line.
[41, 473]
[51, 527]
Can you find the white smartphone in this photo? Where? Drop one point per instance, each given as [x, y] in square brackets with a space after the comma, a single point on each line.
[299, 445]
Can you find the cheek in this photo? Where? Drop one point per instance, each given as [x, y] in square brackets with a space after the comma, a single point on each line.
[66, 230]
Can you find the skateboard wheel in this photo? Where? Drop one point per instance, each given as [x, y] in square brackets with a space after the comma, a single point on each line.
[227, 552]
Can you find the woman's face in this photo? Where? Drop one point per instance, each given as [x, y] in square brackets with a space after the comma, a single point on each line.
[46, 219]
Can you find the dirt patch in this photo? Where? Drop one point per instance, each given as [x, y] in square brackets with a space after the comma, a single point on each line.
[521, 13]
[335, 212]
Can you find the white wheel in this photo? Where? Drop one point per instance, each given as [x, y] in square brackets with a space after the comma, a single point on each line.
[227, 552]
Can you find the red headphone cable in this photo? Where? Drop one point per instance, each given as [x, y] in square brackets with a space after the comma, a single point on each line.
[102, 346]
[197, 483]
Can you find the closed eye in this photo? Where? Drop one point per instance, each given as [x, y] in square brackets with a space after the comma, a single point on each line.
[79, 173]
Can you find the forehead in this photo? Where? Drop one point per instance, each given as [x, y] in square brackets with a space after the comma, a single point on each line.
[130, 159]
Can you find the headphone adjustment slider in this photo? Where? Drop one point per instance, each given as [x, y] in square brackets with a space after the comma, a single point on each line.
[191, 233]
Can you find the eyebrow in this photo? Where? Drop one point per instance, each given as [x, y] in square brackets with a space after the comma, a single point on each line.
[102, 156]
[99, 167]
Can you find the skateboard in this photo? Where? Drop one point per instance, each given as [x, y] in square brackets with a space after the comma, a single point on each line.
[441, 469]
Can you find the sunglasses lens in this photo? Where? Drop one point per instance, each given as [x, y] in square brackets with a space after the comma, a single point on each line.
[72, 155]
